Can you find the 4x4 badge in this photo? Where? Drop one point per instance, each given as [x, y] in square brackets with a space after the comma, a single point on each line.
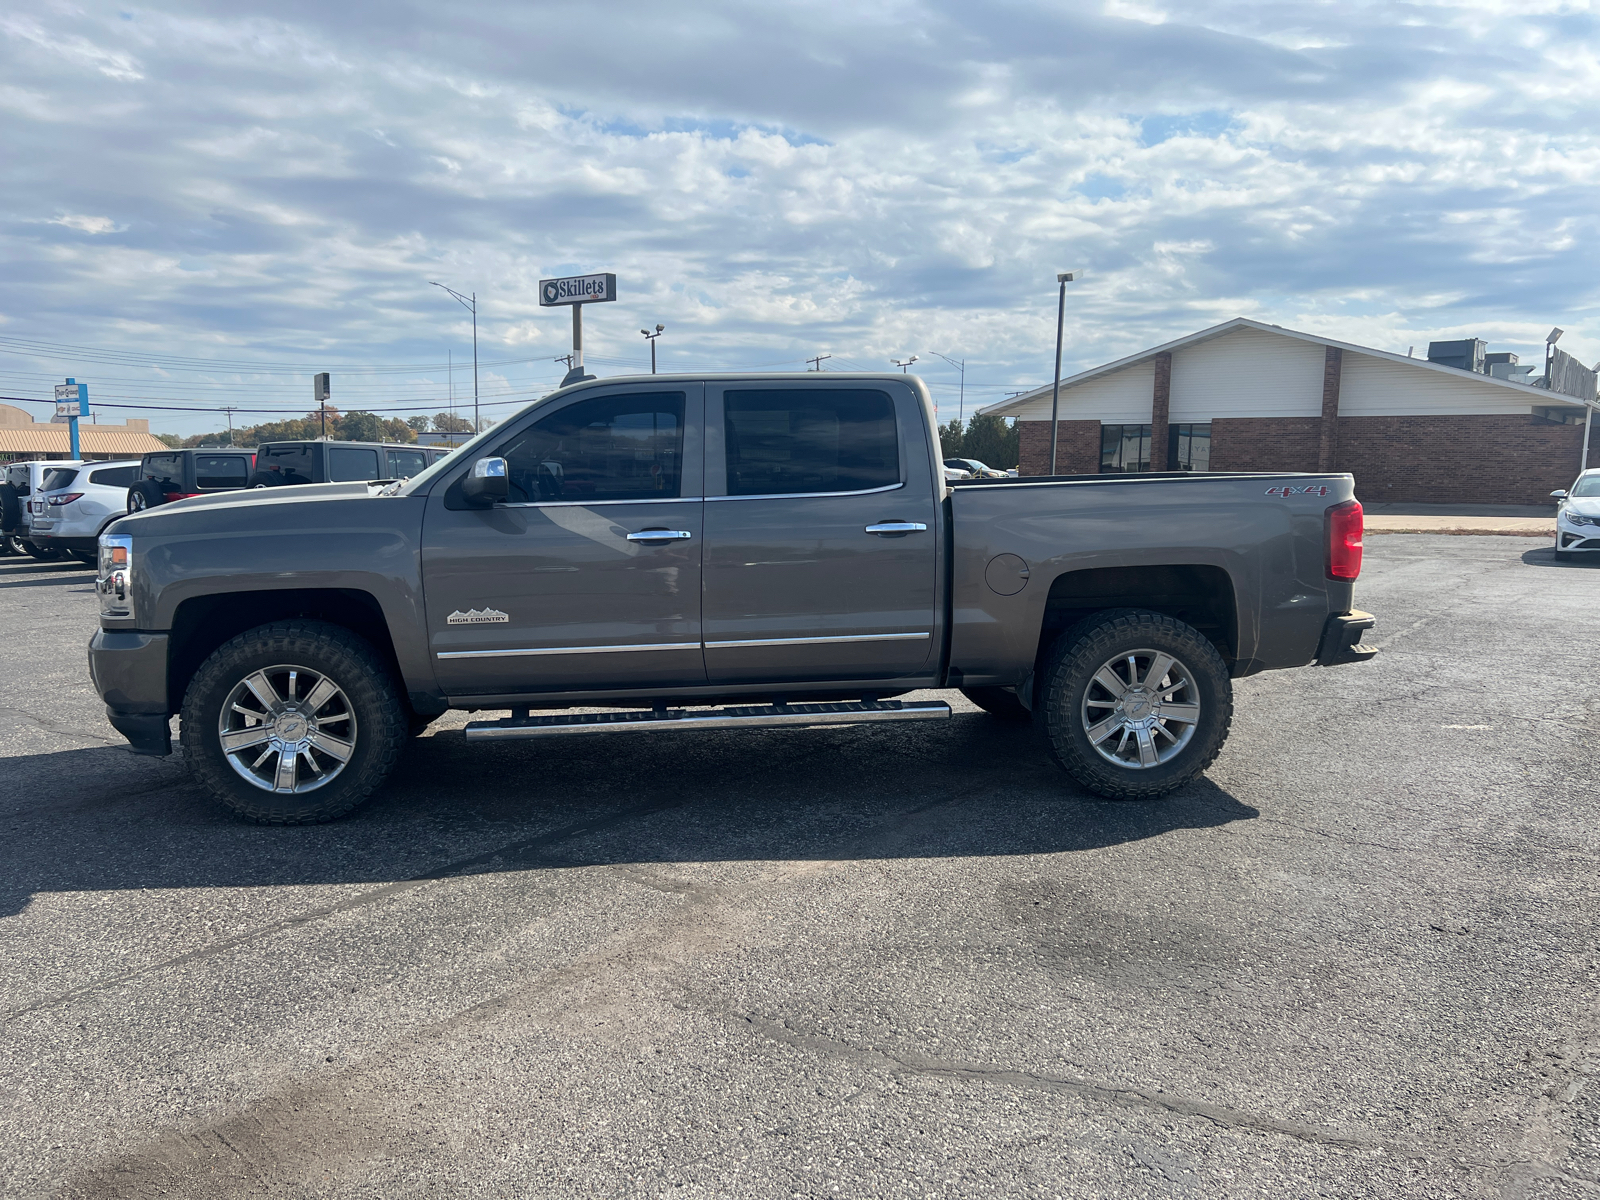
[477, 616]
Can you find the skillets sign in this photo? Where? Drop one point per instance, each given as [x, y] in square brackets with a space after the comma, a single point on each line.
[577, 289]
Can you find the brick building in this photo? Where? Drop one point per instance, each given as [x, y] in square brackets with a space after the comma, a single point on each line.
[1245, 396]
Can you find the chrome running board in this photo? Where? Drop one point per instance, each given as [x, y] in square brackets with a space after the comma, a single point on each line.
[757, 716]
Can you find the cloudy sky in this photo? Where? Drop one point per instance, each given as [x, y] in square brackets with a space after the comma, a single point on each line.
[201, 204]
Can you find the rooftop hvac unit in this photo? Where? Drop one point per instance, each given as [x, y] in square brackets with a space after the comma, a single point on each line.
[1500, 358]
[1464, 355]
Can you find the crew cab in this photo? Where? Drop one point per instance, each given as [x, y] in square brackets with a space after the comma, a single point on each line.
[712, 552]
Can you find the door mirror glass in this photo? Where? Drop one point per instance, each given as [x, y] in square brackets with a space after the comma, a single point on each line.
[627, 447]
[486, 483]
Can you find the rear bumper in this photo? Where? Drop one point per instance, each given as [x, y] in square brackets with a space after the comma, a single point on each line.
[1341, 639]
[45, 541]
[129, 670]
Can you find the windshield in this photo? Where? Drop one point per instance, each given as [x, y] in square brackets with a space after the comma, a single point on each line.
[1587, 487]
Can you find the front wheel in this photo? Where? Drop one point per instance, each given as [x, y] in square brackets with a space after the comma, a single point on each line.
[293, 723]
[1135, 704]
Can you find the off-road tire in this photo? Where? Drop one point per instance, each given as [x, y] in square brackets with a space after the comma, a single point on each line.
[1067, 675]
[10, 507]
[34, 550]
[331, 650]
[998, 702]
[144, 495]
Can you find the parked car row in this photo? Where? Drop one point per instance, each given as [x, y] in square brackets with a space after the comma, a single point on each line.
[53, 509]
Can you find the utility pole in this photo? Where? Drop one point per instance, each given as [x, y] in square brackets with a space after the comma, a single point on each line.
[961, 404]
[470, 303]
[229, 411]
[1064, 278]
[904, 366]
[648, 336]
[818, 361]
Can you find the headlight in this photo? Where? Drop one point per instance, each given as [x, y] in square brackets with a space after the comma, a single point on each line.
[115, 584]
[1575, 519]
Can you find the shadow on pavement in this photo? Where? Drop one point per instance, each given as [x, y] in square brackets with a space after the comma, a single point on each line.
[102, 819]
[1545, 556]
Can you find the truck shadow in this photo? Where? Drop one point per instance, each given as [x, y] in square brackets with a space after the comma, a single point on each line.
[103, 820]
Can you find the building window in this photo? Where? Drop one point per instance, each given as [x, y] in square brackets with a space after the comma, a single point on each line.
[1124, 448]
[1189, 447]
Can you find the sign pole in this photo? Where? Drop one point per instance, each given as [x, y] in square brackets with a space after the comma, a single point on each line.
[72, 402]
[577, 337]
[576, 291]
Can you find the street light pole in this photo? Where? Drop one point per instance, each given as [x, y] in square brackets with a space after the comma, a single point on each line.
[961, 404]
[651, 338]
[470, 303]
[904, 366]
[1064, 278]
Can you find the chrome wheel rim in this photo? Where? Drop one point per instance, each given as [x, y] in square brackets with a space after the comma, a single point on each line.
[135, 503]
[287, 729]
[1140, 709]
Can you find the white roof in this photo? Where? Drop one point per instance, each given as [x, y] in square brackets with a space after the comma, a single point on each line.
[1015, 404]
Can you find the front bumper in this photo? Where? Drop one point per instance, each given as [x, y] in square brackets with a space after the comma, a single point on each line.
[1576, 539]
[129, 670]
[1341, 639]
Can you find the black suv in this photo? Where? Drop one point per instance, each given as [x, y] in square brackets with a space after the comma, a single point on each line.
[281, 463]
[179, 474]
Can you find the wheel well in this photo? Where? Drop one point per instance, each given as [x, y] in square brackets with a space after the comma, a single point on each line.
[202, 624]
[1197, 595]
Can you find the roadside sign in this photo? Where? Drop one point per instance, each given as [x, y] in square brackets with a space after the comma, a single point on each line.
[66, 392]
[577, 289]
[72, 402]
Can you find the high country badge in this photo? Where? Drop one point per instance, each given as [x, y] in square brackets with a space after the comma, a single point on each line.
[477, 616]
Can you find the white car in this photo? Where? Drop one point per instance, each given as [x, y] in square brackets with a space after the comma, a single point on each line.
[20, 485]
[74, 504]
[1578, 517]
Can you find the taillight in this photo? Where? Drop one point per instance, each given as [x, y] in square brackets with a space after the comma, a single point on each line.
[67, 499]
[1345, 527]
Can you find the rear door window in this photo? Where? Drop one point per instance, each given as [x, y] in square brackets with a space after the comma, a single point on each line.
[114, 476]
[403, 464]
[58, 477]
[348, 464]
[218, 471]
[794, 441]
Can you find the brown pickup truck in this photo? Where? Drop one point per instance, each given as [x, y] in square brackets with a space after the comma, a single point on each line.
[714, 552]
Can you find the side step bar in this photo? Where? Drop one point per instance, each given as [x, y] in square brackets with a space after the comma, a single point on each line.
[757, 716]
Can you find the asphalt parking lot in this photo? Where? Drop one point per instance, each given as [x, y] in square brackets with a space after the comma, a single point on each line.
[1359, 959]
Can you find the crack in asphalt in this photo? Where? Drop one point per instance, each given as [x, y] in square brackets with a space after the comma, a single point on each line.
[1121, 1096]
[518, 854]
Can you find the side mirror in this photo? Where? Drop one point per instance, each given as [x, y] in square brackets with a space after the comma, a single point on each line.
[486, 484]
[1560, 493]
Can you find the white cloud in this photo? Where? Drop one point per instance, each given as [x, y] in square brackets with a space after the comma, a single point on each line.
[777, 181]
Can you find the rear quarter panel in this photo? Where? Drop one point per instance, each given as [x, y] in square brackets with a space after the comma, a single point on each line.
[1271, 546]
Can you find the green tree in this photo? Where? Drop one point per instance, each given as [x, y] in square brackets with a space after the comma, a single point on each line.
[417, 424]
[170, 439]
[992, 440]
[361, 427]
[951, 439]
[449, 423]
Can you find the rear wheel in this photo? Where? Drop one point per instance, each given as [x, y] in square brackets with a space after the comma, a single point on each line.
[999, 702]
[293, 723]
[39, 552]
[1135, 704]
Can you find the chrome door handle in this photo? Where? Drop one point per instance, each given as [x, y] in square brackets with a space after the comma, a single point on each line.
[893, 527]
[660, 535]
